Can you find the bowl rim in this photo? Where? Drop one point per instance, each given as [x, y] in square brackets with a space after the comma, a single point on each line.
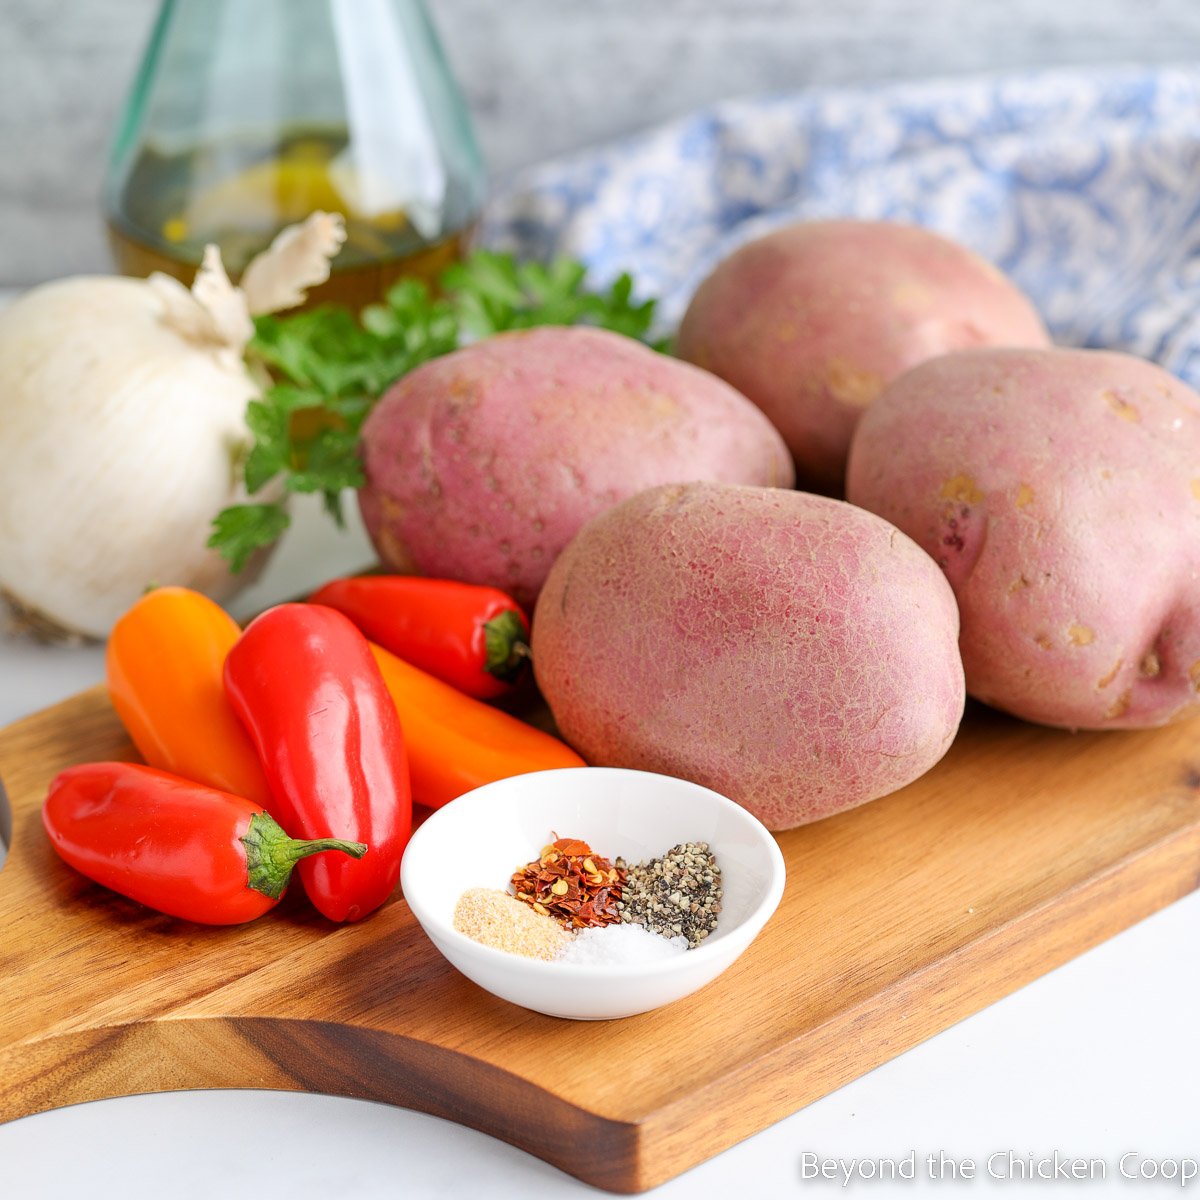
[757, 916]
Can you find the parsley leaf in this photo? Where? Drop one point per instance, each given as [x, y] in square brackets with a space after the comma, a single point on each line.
[269, 419]
[493, 293]
[240, 530]
[328, 368]
[330, 464]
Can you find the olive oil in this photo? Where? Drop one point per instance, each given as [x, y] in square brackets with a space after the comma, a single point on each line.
[240, 194]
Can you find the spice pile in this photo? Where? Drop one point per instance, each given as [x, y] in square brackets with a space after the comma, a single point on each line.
[494, 918]
[571, 884]
[619, 945]
[678, 894]
[573, 905]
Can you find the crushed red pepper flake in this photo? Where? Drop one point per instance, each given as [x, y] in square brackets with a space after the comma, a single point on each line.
[573, 884]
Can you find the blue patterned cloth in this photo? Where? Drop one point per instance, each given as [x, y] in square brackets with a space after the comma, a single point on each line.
[1083, 186]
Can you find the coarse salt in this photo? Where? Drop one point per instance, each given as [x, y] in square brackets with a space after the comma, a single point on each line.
[619, 945]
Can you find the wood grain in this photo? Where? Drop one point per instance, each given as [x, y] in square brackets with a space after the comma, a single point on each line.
[1023, 848]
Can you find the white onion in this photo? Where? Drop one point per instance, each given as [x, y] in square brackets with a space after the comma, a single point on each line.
[122, 408]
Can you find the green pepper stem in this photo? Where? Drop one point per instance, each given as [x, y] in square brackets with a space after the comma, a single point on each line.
[271, 854]
[505, 645]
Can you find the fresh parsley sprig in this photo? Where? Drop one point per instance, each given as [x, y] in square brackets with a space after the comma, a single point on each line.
[328, 369]
[491, 293]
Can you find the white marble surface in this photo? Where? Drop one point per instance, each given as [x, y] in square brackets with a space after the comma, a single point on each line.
[1098, 1059]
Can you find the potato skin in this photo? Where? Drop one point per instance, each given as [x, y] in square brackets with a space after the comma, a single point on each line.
[795, 653]
[812, 321]
[1060, 492]
[482, 465]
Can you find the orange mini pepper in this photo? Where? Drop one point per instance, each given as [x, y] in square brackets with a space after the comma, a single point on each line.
[165, 667]
[456, 743]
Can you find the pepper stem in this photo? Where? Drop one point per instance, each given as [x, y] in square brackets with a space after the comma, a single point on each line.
[271, 854]
[506, 648]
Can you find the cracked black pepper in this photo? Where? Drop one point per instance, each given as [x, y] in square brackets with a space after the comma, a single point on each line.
[677, 894]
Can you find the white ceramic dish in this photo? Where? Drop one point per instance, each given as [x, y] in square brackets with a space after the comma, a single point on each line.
[482, 837]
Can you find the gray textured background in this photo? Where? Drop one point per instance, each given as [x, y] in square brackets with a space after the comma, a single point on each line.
[542, 76]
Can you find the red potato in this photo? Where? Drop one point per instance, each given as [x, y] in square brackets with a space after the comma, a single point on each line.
[793, 652]
[812, 321]
[1060, 492]
[483, 464]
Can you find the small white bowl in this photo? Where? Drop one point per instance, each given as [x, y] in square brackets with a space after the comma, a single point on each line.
[481, 838]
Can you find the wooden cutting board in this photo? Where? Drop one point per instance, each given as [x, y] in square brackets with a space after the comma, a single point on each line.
[1020, 850]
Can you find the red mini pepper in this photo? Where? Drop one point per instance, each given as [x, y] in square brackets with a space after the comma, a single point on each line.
[474, 638]
[182, 848]
[305, 685]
